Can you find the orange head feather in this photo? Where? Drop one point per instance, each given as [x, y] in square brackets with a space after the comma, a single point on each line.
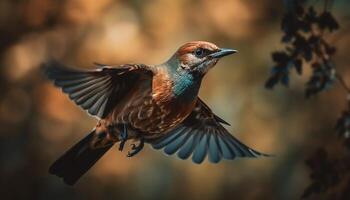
[185, 51]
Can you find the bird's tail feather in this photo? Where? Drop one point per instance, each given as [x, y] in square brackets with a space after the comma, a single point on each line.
[77, 160]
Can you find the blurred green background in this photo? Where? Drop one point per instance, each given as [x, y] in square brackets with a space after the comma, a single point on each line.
[38, 122]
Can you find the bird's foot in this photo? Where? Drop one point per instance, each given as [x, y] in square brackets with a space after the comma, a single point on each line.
[123, 137]
[135, 149]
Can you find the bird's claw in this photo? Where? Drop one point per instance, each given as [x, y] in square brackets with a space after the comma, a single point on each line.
[133, 152]
[135, 149]
[133, 146]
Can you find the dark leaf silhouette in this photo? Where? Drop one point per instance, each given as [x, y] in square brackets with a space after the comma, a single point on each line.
[298, 66]
[280, 57]
[302, 44]
[327, 21]
[324, 173]
[305, 43]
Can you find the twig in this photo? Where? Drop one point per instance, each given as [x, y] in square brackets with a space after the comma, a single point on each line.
[343, 83]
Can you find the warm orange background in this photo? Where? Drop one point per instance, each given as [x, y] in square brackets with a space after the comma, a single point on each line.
[38, 122]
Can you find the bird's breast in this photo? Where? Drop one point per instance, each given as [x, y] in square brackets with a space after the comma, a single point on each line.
[154, 109]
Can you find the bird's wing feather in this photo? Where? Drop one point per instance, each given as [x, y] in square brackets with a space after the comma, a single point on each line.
[96, 91]
[201, 134]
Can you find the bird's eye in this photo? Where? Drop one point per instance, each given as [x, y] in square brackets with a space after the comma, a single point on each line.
[199, 52]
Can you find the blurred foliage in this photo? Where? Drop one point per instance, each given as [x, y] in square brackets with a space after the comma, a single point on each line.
[38, 122]
[305, 44]
[328, 173]
[343, 123]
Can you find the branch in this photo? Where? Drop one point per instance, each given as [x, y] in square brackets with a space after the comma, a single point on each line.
[343, 83]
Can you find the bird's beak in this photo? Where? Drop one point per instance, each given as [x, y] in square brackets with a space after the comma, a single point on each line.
[223, 52]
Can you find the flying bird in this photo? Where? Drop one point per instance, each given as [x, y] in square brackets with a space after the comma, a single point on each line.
[154, 104]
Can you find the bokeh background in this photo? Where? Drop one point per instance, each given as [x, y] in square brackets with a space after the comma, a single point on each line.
[38, 123]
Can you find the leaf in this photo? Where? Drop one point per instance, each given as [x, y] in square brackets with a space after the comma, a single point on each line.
[311, 15]
[298, 66]
[290, 24]
[286, 38]
[322, 78]
[285, 79]
[307, 53]
[280, 57]
[327, 21]
[271, 82]
[343, 124]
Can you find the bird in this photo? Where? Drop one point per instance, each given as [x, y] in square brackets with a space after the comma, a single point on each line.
[153, 104]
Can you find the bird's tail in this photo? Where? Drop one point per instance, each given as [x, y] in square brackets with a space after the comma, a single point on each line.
[77, 160]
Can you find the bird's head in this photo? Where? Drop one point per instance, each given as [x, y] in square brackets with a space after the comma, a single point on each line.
[198, 57]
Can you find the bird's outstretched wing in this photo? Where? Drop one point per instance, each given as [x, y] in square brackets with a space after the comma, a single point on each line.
[96, 91]
[202, 133]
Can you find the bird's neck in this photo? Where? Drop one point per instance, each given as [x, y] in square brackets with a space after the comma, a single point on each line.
[184, 86]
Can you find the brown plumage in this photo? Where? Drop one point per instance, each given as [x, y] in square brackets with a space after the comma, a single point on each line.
[156, 104]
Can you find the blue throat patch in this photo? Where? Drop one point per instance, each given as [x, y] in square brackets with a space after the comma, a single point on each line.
[185, 86]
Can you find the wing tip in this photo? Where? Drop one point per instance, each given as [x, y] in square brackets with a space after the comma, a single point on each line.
[258, 154]
[51, 68]
[219, 119]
